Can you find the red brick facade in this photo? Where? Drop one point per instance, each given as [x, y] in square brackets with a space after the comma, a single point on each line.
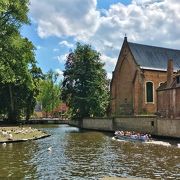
[128, 85]
[168, 95]
[169, 103]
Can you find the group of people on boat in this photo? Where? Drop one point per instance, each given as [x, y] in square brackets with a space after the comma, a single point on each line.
[133, 135]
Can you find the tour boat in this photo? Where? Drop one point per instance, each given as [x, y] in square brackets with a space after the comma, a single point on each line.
[131, 136]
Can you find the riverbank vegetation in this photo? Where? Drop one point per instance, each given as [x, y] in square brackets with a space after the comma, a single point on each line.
[85, 85]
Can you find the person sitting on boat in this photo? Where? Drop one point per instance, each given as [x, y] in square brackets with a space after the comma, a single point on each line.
[128, 133]
[134, 136]
[121, 133]
[144, 137]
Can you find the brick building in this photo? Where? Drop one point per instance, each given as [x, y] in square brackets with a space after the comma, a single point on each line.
[139, 71]
[168, 95]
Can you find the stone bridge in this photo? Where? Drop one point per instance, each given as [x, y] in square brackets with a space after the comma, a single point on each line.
[48, 121]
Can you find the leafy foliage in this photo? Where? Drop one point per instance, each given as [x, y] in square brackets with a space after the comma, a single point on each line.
[49, 92]
[85, 86]
[19, 74]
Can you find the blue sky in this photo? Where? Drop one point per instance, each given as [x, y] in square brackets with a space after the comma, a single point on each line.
[105, 4]
[56, 26]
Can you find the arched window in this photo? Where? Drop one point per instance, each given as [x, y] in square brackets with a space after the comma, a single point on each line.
[149, 92]
[178, 79]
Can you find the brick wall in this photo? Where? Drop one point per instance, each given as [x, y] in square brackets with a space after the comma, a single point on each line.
[177, 105]
[122, 83]
[156, 77]
[169, 103]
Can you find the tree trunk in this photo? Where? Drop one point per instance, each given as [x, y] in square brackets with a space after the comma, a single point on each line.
[28, 113]
[28, 107]
[12, 116]
[11, 99]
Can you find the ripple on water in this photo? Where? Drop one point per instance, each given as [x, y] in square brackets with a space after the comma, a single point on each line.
[80, 155]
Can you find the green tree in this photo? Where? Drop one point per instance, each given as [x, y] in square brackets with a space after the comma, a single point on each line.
[18, 71]
[19, 80]
[13, 14]
[85, 85]
[50, 92]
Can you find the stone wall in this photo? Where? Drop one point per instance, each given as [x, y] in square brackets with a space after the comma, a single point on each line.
[75, 123]
[105, 124]
[137, 123]
[147, 124]
[167, 127]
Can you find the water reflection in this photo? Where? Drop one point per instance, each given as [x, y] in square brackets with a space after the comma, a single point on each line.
[76, 154]
[82, 151]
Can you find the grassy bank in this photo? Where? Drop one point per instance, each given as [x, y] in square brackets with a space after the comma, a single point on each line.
[23, 133]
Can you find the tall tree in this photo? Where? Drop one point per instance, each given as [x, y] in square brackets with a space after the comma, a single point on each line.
[85, 85]
[17, 63]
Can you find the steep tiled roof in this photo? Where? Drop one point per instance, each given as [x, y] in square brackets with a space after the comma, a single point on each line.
[151, 57]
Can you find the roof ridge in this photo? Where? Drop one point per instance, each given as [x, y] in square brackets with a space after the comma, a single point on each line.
[153, 46]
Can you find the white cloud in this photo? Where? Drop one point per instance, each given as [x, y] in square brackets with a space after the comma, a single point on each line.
[146, 21]
[109, 75]
[65, 18]
[109, 62]
[60, 73]
[61, 58]
[67, 44]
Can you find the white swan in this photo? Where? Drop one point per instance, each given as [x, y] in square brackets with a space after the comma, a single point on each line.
[50, 149]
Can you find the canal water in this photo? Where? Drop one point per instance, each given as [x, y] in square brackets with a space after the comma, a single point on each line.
[70, 153]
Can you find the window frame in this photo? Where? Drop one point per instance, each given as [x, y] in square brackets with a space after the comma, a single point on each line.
[178, 80]
[146, 92]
